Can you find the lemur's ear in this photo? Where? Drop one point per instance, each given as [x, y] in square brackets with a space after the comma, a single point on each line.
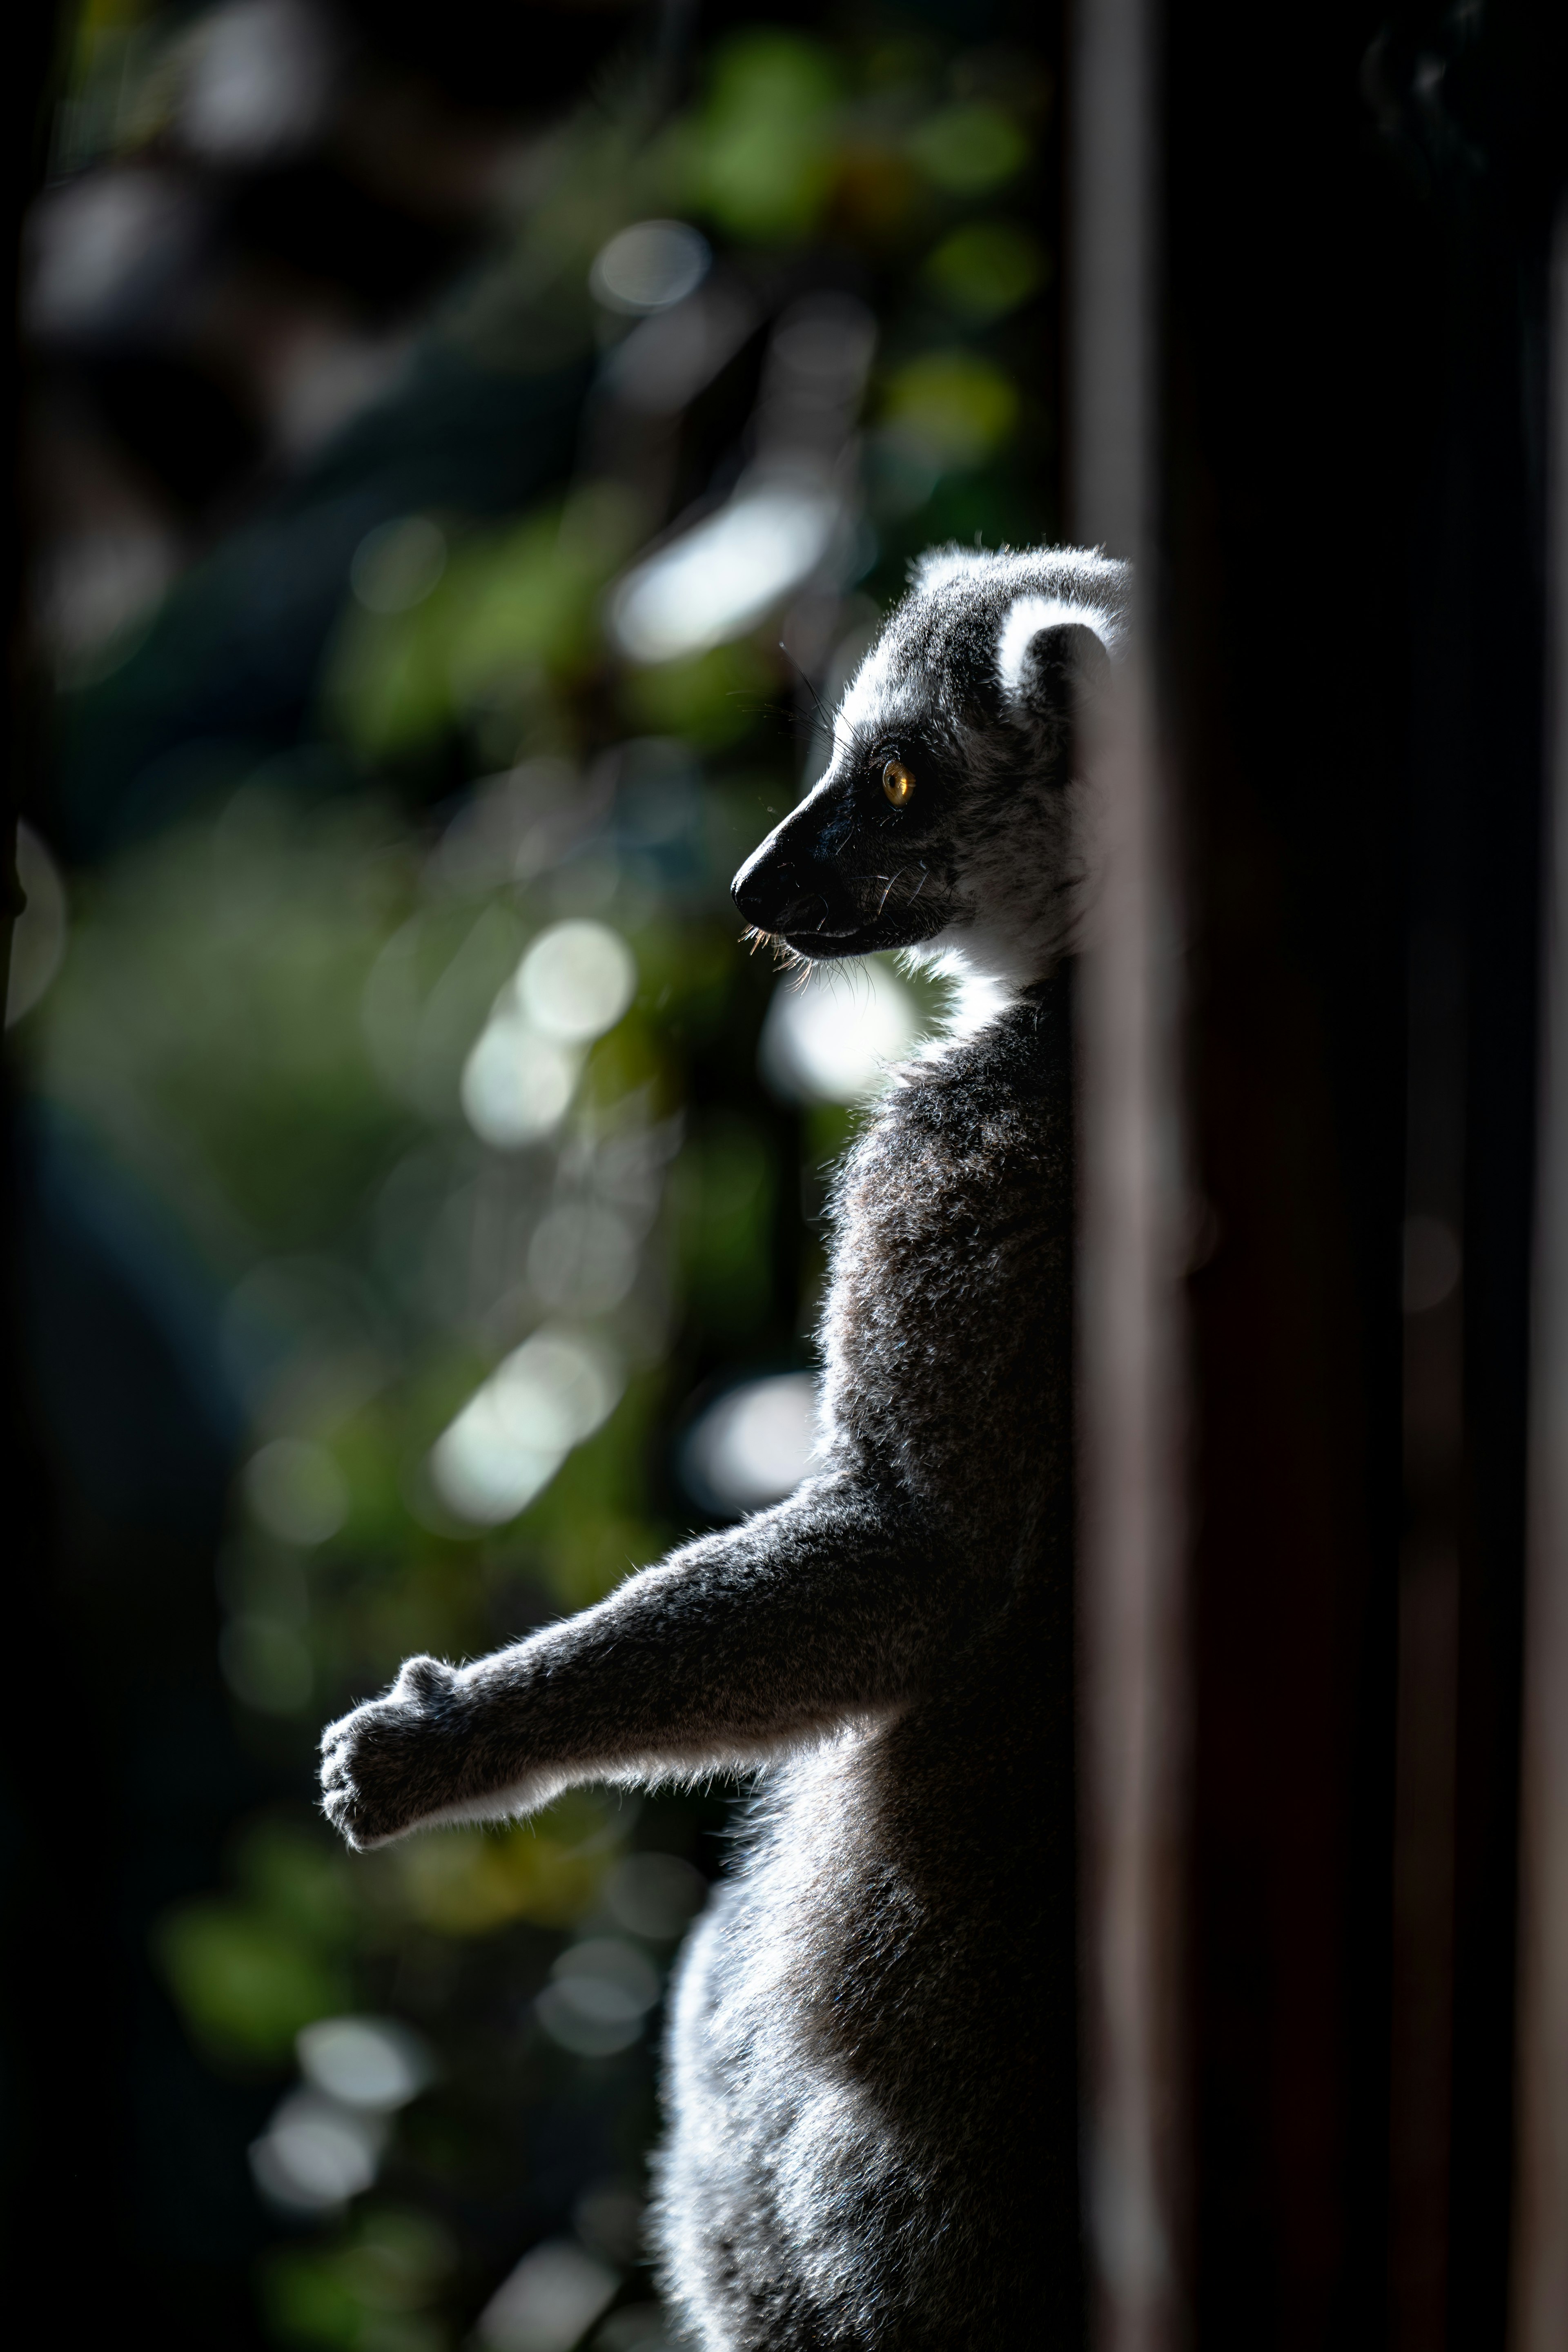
[1050, 660]
[1063, 666]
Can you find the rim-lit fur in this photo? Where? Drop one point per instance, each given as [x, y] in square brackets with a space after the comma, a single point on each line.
[972, 684]
[871, 2078]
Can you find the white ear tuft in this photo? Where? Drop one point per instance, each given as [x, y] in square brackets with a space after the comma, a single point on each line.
[1026, 617]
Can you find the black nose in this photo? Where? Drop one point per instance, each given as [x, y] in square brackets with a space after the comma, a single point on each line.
[755, 888]
[795, 896]
[771, 887]
[789, 887]
[775, 896]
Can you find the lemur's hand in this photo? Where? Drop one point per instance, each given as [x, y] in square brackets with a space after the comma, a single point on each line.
[397, 1761]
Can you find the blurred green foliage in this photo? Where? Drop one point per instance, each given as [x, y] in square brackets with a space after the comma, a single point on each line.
[956, 407]
[762, 147]
[986, 268]
[371, 2294]
[712, 699]
[970, 149]
[250, 1968]
[505, 627]
[266, 1014]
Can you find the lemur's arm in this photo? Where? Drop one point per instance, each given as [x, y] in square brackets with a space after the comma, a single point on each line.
[792, 1621]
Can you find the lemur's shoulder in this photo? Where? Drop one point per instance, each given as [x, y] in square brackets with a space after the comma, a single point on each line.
[951, 1268]
[982, 1111]
[1018, 1067]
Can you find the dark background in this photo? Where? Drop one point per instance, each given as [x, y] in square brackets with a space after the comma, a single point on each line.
[1359, 218]
[247, 780]
[1357, 208]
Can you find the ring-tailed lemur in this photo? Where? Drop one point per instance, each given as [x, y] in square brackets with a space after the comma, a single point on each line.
[870, 2061]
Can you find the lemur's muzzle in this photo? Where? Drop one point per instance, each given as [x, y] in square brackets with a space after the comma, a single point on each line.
[784, 889]
[810, 887]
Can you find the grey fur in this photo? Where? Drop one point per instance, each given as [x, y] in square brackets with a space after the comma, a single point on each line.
[871, 2057]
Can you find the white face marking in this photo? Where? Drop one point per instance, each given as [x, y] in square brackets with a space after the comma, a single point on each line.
[868, 701]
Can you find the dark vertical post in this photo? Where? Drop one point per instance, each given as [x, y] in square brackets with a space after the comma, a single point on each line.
[1339, 466]
[1295, 416]
[1130, 1615]
[1539, 2279]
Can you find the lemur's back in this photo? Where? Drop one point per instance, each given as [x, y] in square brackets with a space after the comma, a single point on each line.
[872, 2059]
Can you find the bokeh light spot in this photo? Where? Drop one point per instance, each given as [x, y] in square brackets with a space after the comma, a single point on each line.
[510, 1438]
[315, 2154]
[516, 1085]
[397, 565]
[656, 1895]
[755, 1446]
[720, 579]
[599, 1993]
[373, 2063]
[576, 980]
[297, 1491]
[649, 267]
[258, 81]
[831, 1038]
[549, 2302]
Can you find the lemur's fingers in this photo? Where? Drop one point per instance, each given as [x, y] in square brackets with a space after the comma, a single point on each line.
[397, 1761]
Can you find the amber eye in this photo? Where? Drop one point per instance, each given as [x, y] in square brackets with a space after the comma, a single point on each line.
[898, 784]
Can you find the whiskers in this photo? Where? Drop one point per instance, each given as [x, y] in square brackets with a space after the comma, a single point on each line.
[785, 957]
[891, 882]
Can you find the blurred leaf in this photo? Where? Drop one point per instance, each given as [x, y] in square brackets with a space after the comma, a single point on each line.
[427, 994]
[597, 1551]
[764, 162]
[971, 148]
[467, 1882]
[712, 701]
[307, 2300]
[245, 1982]
[621, 1062]
[300, 1877]
[387, 684]
[364, 2294]
[397, 2259]
[530, 596]
[722, 1194]
[986, 269]
[590, 1529]
[513, 612]
[207, 1017]
[955, 404]
[688, 974]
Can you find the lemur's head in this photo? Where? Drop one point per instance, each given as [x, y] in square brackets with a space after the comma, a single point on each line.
[947, 819]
